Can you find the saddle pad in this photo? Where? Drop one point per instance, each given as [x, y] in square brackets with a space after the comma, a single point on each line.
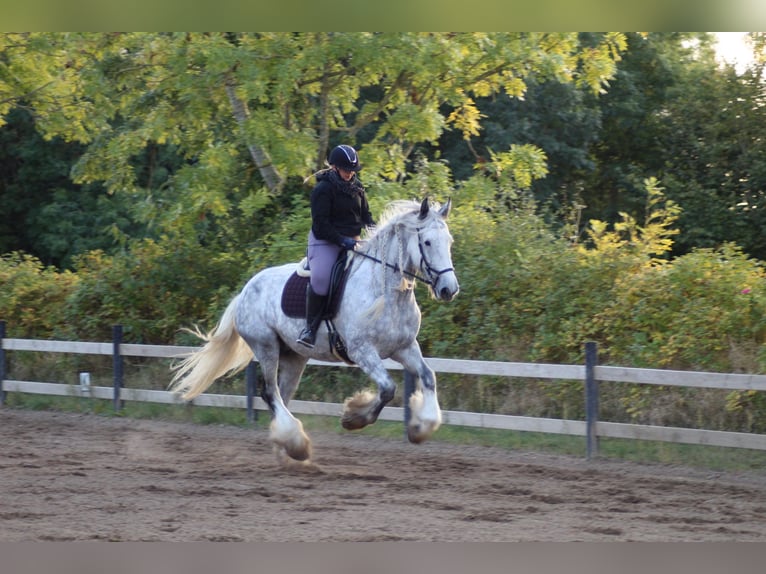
[294, 295]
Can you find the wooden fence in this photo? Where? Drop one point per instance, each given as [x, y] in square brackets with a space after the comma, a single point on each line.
[590, 373]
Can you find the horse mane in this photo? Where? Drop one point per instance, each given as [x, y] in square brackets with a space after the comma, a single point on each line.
[398, 214]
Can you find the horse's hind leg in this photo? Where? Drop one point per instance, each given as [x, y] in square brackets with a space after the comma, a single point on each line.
[286, 432]
[291, 366]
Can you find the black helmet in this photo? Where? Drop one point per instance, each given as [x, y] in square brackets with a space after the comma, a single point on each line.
[344, 157]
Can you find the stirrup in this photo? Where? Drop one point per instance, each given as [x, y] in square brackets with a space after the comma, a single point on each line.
[307, 338]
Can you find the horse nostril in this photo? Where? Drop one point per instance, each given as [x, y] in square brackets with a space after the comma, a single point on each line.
[445, 293]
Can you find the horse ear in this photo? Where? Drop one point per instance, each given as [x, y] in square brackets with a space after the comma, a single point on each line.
[424, 207]
[446, 208]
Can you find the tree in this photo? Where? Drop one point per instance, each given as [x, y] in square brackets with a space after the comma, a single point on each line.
[628, 149]
[715, 165]
[560, 119]
[252, 114]
[44, 213]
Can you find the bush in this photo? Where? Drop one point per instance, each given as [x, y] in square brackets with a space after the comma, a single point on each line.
[527, 295]
[33, 297]
[703, 312]
[153, 289]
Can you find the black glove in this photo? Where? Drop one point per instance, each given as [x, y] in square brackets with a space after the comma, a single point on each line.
[348, 243]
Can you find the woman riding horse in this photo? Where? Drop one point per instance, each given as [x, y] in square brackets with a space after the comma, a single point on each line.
[339, 210]
[378, 319]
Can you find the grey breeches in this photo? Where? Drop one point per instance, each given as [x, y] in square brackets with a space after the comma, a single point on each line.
[322, 255]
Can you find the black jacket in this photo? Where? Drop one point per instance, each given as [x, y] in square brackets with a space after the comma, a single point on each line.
[338, 209]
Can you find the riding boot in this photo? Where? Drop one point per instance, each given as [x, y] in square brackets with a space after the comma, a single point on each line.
[314, 309]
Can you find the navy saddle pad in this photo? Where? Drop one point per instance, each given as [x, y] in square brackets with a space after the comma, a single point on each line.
[294, 292]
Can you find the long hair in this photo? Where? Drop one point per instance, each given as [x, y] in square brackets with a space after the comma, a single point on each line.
[224, 352]
[397, 218]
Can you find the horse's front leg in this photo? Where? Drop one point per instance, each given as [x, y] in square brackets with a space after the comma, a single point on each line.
[425, 414]
[363, 408]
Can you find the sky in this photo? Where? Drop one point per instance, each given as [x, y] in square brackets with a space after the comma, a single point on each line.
[733, 49]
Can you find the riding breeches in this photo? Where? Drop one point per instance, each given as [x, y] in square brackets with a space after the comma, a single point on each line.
[322, 256]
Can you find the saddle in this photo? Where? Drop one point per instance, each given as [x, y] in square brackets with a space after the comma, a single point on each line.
[293, 300]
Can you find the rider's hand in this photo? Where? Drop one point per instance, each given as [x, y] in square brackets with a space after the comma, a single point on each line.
[349, 243]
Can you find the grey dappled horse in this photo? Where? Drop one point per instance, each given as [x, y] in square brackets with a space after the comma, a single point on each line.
[378, 318]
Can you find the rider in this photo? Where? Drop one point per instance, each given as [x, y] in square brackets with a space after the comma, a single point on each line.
[339, 210]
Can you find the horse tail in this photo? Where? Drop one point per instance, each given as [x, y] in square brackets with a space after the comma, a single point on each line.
[224, 352]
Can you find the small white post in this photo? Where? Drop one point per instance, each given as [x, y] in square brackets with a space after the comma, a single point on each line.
[84, 383]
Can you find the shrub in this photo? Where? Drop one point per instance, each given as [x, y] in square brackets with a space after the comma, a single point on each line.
[705, 311]
[32, 298]
[152, 289]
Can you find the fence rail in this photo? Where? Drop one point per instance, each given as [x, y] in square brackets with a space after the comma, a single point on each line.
[592, 429]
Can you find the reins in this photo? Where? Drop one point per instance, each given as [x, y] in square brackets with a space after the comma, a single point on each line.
[394, 267]
[424, 265]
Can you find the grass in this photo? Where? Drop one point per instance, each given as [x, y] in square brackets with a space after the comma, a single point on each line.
[698, 456]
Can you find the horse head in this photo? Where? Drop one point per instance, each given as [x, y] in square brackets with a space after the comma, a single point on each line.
[435, 250]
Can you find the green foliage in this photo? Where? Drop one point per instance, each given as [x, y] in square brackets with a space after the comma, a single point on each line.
[528, 295]
[44, 212]
[703, 312]
[152, 289]
[720, 172]
[33, 297]
[249, 111]
[188, 153]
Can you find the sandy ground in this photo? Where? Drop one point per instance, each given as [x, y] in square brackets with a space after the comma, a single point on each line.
[67, 477]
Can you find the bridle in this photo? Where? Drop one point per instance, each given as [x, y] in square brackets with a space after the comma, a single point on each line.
[432, 274]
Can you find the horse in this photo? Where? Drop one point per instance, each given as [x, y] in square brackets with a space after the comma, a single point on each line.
[377, 318]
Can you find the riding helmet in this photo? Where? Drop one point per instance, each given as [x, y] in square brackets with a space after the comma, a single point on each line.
[344, 157]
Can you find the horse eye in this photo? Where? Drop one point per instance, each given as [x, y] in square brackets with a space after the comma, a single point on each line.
[428, 244]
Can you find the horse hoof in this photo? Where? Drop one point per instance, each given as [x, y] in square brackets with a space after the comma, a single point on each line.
[300, 456]
[353, 422]
[417, 434]
[299, 452]
[287, 461]
[297, 448]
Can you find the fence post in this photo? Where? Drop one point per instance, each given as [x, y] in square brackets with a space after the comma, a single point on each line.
[251, 379]
[2, 363]
[117, 365]
[409, 389]
[591, 399]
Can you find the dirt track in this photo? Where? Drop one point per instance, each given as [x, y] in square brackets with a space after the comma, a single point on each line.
[82, 477]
